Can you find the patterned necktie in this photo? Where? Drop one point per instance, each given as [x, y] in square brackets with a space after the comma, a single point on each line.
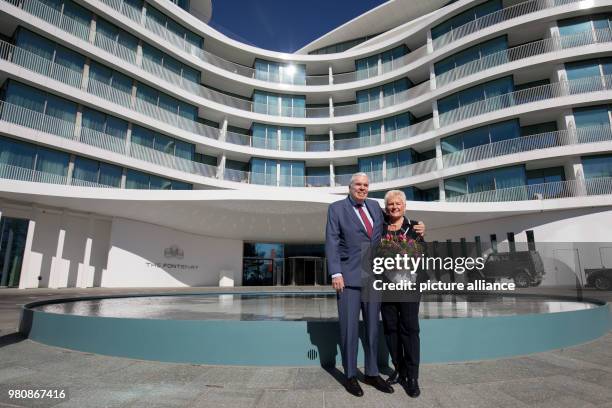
[364, 218]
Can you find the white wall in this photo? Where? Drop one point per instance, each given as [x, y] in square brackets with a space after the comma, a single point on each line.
[568, 241]
[136, 257]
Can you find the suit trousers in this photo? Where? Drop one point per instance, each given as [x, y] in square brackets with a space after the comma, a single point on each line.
[349, 306]
[401, 326]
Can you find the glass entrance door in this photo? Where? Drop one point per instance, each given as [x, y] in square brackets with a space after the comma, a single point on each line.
[305, 270]
[13, 232]
[259, 271]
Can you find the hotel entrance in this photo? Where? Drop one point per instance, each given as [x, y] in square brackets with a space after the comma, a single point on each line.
[13, 232]
[272, 264]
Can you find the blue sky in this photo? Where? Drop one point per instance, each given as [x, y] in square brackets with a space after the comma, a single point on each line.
[284, 25]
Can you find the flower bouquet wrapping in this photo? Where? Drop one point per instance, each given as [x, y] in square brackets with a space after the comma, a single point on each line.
[392, 245]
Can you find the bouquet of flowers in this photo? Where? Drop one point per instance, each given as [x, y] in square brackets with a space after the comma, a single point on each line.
[392, 245]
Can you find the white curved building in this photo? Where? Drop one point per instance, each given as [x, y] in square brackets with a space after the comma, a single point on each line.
[492, 116]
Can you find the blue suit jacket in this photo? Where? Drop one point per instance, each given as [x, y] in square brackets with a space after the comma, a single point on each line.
[347, 246]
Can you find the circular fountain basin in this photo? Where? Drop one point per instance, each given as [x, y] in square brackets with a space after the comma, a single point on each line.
[299, 329]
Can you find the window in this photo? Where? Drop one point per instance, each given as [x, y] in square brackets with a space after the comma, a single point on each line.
[292, 174]
[530, 240]
[397, 161]
[480, 136]
[511, 243]
[32, 157]
[159, 22]
[143, 181]
[372, 165]
[157, 141]
[293, 139]
[278, 72]
[471, 54]
[115, 40]
[368, 67]
[153, 96]
[467, 16]
[53, 52]
[63, 111]
[263, 171]
[597, 166]
[369, 133]
[152, 57]
[96, 172]
[494, 243]
[102, 78]
[74, 18]
[480, 92]
[496, 179]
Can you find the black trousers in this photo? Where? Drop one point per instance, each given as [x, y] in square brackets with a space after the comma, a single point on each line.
[401, 325]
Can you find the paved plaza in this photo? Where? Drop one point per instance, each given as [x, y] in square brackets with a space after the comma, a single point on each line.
[575, 377]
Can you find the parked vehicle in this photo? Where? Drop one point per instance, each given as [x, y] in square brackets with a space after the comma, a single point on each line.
[524, 267]
[599, 278]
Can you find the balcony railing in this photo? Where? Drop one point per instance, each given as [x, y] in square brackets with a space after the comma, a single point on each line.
[497, 17]
[392, 173]
[35, 120]
[559, 189]
[546, 140]
[545, 46]
[529, 95]
[389, 136]
[10, 172]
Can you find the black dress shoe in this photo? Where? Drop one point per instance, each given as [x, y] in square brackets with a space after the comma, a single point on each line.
[412, 387]
[353, 387]
[396, 378]
[377, 382]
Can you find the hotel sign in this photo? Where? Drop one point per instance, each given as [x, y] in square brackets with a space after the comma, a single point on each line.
[173, 251]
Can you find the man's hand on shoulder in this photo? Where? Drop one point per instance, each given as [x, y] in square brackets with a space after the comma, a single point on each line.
[420, 228]
[338, 283]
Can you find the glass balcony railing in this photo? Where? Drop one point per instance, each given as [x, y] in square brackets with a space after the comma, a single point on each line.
[526, 96]
[18, 115]
[544, 191]
[77, 28]
[592, 134]
[497, 17]
[392, 173]
[549, 45]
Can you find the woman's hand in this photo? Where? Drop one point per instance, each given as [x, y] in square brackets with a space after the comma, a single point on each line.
[420, 228]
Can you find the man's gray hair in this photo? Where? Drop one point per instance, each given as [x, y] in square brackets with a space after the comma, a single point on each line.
[359, 174]
[393, 194]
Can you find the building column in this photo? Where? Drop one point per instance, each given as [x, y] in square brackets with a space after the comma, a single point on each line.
[382, 132]
[221, 167]
[70, 169]
[435, 116]
[332, 175]
[223, 131]
[92, 29]
[29, 278]
[429, 42]
[133, 99]
[143, 16]
[553, 29]
[123, 178]
[78, 122]
[567, 122]
[331, 107]
[379, 65]
[85, 77]
[85, 271]
[441, 191]
[574, 171]
[58, 275]
[439, 160]
[432, 77]
[330, 72]
[139, 54]
[128, 139]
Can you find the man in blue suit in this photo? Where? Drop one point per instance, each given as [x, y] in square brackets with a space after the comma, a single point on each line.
[354, 228]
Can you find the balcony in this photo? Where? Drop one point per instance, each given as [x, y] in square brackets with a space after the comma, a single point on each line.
[592, 134]
[544, 191]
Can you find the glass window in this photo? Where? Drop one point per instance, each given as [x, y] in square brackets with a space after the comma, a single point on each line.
[372, 165]
[369, 133]
[597, 166]
[292, 174]
[51, 161]
[18, 154]
[136, 180]
[582, 69]
[263, 171]
[110, 175]
[471, 14]
[591, 116]
[471, 54]
[85, 170]
[549, 175]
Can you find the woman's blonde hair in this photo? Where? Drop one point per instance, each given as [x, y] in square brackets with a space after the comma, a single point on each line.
[393, 194]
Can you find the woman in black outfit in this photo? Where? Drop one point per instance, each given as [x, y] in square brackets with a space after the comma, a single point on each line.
[401, 316]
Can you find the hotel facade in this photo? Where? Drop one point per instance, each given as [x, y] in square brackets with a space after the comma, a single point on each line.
[139, 147]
